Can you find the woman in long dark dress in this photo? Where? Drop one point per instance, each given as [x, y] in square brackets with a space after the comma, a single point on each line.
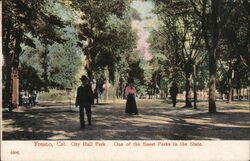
[131, 107]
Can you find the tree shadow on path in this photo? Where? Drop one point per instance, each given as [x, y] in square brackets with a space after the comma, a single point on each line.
[111, 123]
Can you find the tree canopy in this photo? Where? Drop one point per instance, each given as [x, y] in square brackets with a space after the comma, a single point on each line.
[201, 45]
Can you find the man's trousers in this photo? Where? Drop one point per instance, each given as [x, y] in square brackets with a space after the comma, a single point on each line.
[81, 113]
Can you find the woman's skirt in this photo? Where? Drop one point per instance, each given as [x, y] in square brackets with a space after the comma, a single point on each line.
[131, 107]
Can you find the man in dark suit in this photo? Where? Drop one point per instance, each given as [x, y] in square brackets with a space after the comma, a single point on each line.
[84, 99]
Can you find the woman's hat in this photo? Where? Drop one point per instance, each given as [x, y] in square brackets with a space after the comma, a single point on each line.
[83, 78]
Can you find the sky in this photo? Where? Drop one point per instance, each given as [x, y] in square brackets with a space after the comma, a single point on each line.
[143, 27]
[143, 7]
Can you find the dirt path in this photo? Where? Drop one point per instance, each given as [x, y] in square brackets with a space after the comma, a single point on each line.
[154, 122]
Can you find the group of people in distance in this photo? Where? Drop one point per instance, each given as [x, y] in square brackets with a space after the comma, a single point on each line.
[85, 99]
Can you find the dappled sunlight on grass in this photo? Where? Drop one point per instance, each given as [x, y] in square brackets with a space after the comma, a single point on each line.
[148, 119]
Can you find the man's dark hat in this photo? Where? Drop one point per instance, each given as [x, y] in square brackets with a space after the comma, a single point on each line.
[83, 78]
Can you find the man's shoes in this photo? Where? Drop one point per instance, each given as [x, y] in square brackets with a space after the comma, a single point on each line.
[82, 127]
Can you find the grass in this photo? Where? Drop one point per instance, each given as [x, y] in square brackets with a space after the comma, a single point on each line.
[55, 95]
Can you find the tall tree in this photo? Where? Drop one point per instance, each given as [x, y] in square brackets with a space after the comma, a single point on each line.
[94, 15]
[209, 15]
[105, 31]
[183, 38]
[234, 40]
[20, 17]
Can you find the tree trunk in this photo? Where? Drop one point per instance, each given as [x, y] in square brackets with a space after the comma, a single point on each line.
[166, 93]
[97, 92]
[243, 93]
[7, 69]
[248, 94]
[238, 94]
[114, 92]
[195, 92]
[15, 88]
[230, 86]
[212, 54]
[212, 82]
[188, 88]
[163, 94]
[88, 66]
[88, 60]
[44, 63]
[115, 88]
[195, 97]
[233, 94]
[106, 73]
[121, 89]
[7, 82]
[15, 77]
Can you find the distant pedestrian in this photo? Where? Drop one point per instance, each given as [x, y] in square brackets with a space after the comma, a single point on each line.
[130, 92]
[174, 92]
[32, 98]
[84, 99]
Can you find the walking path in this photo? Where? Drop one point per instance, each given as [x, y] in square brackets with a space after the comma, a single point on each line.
[156, 121]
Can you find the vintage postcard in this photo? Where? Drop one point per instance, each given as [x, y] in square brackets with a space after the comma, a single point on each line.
[126, 80]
